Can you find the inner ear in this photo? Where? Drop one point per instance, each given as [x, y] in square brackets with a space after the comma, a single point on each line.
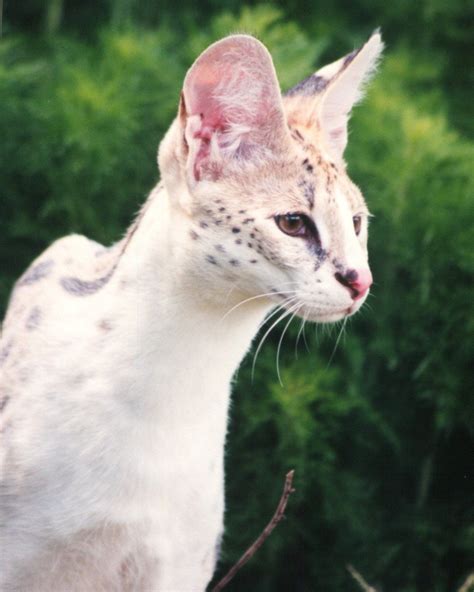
[232, 104]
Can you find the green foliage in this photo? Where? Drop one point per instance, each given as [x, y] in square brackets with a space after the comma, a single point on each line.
[381, 433]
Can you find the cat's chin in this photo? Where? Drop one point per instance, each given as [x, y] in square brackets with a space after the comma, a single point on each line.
[316, 316]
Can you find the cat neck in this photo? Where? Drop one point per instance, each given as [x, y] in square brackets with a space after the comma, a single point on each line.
[188, 337]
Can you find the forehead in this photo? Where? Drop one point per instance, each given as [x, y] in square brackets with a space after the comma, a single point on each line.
[305, 180]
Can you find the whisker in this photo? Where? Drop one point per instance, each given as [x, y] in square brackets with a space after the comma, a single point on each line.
[295, 312]
[276, 310]
[304, 335]
[280, 318]
[301, 332]
[337, 341]
[255, 298]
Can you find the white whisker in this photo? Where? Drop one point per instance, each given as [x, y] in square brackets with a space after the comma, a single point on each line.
[255, 298]
[298, 307]
[337, 341]
[280, 318]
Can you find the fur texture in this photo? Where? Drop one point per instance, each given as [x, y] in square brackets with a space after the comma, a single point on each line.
[115, 363]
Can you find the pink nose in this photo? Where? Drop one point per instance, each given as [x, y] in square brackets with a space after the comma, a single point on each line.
[357, 280]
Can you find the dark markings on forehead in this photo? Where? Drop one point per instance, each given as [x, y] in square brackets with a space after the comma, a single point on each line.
[34, 318]
[234, 262]
[308, 87]
[36, 273]
[203, 224]
[5, 351]
[308, 191]
[297, 136]
[78, 287]
[308, 166]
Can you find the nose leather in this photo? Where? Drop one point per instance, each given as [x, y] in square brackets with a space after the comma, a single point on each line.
[357, 280]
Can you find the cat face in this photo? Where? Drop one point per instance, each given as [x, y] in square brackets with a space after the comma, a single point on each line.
[269, 206]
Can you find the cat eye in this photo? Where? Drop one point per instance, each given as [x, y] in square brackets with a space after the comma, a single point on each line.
[357, 221]
[293, 224]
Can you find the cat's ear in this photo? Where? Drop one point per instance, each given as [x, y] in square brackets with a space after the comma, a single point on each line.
[327, 97]
[231, 108]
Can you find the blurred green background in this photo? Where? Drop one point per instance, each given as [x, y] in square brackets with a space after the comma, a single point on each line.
[381, 433]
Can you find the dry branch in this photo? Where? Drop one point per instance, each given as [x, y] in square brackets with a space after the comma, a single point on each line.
[287, 490]
[360, 580]
[468, 585]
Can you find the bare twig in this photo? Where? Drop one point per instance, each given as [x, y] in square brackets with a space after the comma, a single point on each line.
[468, 585]
[360, 580]
[287, 490]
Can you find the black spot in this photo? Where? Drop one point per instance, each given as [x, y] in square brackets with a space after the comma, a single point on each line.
[235, 229]
[234, 262]
[193, 234]
[211, 259]
[242, 211]
[203, 224]
[34, 319]
[5, 351]
[3, 402]
[247, 220]
[253, 261]
[105, 325]
[238, 241]
[222, 209]
[249, 245]
[36, 273]
[228, 217]
[252, 235]
[217, 222]
[308, 87]
[79, 287]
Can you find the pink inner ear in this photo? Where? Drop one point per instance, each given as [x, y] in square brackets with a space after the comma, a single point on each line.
[232, 95]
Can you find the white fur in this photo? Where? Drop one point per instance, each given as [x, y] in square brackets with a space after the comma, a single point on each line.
[115, 364]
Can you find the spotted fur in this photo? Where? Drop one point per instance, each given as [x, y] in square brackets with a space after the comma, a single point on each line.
[116, 363]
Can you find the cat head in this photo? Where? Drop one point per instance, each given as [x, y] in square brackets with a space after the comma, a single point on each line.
[260, 180]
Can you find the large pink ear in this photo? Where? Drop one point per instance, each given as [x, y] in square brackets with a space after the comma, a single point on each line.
[328, 96]
[231, 107]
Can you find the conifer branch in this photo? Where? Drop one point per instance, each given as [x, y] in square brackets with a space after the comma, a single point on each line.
[254, 547]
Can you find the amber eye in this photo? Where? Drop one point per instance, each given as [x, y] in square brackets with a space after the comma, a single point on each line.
[357, 221]
[292, 224]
